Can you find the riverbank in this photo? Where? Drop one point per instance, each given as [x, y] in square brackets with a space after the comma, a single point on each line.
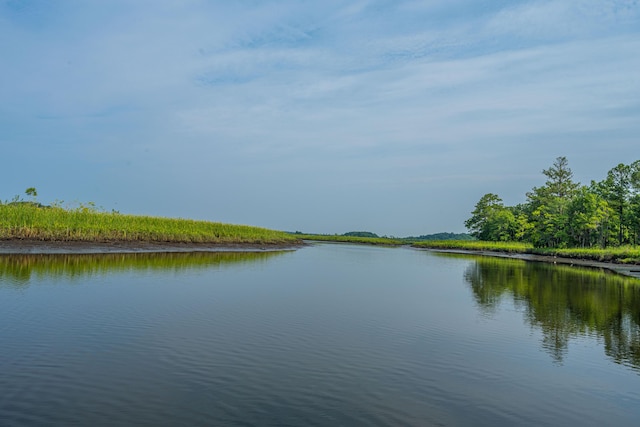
[28, 226]
[630, 270]
[19, 246]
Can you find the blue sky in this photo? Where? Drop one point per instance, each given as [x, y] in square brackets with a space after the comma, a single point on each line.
[320, 116]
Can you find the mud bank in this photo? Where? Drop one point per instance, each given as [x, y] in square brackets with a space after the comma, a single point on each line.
[631, 270]
[79, 247]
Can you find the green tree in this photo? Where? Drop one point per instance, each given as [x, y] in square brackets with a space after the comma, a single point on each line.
[560, 180]
[522, 226]
[547, 206]
[361, 234]
[491, 220]
[589, 216]
[31, 191]
[480, 216]
[618, 188]
[634, 219]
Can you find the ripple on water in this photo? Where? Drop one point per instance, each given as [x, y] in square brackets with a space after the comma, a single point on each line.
[253, 347]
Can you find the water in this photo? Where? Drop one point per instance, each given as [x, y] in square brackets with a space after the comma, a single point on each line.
[327, 335]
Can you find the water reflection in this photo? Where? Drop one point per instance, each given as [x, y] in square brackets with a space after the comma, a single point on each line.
[18, 270]
[565, 303]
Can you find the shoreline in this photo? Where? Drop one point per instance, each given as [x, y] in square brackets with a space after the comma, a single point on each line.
[49, 247]
[629, 270]
[53, 247]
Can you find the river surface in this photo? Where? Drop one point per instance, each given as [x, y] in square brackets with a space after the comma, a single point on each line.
[327, 335]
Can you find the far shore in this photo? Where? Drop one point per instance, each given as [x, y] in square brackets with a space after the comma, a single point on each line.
[631, 270]
[20, 246]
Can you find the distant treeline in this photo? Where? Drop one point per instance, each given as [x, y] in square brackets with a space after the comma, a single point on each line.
[410, 239]
[436, 236]
[442, 236]
[563, 213]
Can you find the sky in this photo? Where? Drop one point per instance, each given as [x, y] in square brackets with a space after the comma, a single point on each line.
[389, 116]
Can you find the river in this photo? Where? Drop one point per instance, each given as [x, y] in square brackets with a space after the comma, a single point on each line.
[326, 335]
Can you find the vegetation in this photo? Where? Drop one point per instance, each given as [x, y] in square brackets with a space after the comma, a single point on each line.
[620, 254]
[30, 220]
[361, 234]
[367, 237]
[441, 236]
[566, 214]
[351, 239]
[476, 245]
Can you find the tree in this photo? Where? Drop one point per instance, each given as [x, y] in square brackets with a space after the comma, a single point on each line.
[547, 205]
[618, 188]
[634, 218]
[31, 191]
[588, 218]
[560, 179]
[491, 220]
[361, 234]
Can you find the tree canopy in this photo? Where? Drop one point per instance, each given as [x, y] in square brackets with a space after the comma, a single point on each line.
[564, 213]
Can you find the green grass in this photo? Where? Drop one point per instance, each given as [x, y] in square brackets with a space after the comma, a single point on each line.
[475, 245]
[29, 221]
[622, 254]
[351, 239]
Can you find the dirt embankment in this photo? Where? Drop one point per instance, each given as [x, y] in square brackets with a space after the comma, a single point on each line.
[630, 270]
[16, 246]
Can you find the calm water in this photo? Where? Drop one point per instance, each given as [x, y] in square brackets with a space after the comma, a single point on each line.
[327, 335]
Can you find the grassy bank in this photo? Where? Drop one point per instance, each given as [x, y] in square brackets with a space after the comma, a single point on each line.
[351, 239]
[622, 254]
[475, 245]
[29, 221]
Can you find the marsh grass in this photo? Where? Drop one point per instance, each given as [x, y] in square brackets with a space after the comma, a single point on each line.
[30, 221]
[476, 245]
[621, 254]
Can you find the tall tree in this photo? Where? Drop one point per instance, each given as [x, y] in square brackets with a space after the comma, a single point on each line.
[589, 216]
[618, 188]
[560, 179]
[634, 218]
[547, 205]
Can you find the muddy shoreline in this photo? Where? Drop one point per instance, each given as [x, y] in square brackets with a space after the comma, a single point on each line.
[630, 270]
[16, 246]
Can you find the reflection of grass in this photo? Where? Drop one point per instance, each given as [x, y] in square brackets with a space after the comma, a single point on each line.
[598, 275]
[29, 221]
[622, 254]
[20, 268]
[351, 239]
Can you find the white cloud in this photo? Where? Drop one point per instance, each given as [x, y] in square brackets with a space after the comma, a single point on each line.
[548, 20]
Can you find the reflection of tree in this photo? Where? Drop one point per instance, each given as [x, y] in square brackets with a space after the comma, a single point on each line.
[17, 270]
[565, 303]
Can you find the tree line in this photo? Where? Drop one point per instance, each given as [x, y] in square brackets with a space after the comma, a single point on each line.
[564, 213]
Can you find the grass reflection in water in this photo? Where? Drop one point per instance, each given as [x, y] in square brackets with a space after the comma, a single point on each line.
[18, 270]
